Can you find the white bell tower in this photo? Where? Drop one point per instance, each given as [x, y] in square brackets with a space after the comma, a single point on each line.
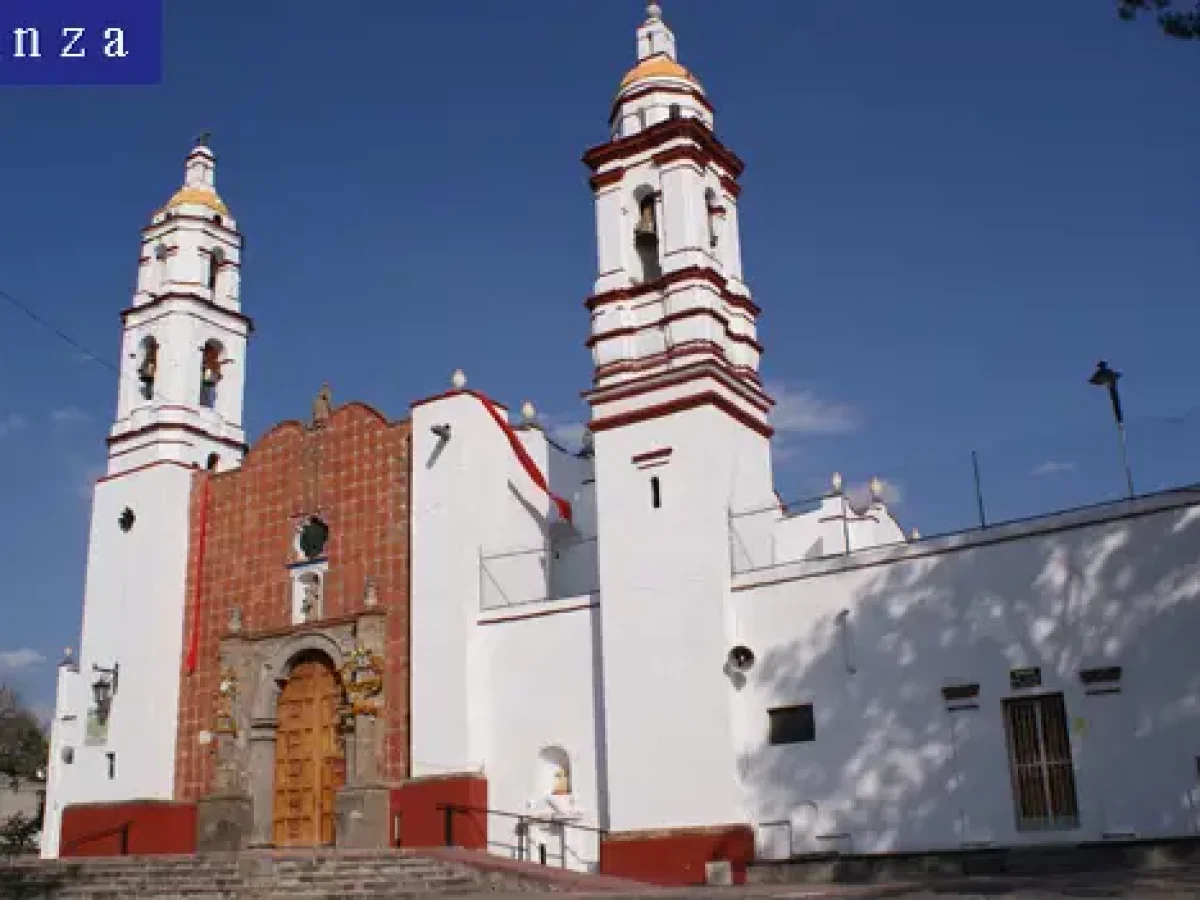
[179, 409]
[681, 430]
[183, 359]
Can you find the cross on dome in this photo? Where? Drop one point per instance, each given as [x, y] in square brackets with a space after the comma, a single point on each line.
[656, 52]
[199, 179]
[654, 37]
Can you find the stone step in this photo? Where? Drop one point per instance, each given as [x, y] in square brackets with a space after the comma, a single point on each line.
[256, 876]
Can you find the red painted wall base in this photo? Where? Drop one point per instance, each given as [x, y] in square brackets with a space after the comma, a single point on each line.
[676, 857]
[150, 827]
[422, 824]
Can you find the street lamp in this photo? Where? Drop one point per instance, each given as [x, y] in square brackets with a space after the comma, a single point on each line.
[104, 689]
[1107, 378]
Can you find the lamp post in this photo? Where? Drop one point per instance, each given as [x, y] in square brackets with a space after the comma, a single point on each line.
[104, 689]
[1107, 378]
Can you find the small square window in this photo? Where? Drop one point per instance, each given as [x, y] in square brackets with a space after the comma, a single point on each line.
[792, 724]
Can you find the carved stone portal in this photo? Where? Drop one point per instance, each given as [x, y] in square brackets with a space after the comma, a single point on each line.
[239, 812]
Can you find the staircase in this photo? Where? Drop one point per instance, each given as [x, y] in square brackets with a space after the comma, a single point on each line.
[256, 876]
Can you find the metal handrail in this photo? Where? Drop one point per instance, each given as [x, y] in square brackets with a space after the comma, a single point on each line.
[547, 546]
[450, 810]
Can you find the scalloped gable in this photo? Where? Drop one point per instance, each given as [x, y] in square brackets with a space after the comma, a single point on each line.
[281, 434]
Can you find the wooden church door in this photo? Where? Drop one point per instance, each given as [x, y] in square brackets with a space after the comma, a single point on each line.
[309, 760]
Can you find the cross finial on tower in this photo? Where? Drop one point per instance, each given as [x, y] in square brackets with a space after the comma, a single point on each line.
[203, 138]
[654, 37]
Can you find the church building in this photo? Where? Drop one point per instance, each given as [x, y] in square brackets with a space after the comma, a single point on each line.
[630, 658]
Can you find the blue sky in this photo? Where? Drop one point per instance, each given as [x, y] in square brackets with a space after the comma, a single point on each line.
[951, 211]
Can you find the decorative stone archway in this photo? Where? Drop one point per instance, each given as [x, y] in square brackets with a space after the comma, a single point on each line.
[280, 656]
[240, 811]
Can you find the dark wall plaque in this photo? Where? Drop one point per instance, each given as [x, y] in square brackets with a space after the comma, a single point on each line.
[1100, 676]
[1023, 679]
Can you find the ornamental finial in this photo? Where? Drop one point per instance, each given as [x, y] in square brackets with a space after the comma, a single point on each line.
[654, 12]
[203, 138]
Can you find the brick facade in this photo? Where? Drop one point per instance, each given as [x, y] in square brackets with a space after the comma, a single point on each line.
[354, 473]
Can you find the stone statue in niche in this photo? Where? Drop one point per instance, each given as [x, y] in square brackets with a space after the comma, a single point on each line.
[311, 602]
[562, 783]
[322, 406]
[235, 620]
[226, 700]
[371, 594]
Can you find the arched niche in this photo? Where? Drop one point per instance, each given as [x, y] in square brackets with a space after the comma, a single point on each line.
[714, 213]
[553, 773]
[647, 234]
[147, 370]
[212, 358]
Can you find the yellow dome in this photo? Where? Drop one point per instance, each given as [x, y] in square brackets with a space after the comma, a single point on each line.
[658, 66]
[198, 197]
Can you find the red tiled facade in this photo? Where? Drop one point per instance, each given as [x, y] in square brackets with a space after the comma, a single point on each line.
[354, 473]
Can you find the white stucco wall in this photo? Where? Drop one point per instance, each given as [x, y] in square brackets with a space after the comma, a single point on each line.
[536, 691]
[66, 731]
[480, 542]
[666, 631]
[134, 598]
[890, 768]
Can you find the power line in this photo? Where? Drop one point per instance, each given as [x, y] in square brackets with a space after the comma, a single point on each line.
[58, 332]
[25, 310]
[992, 447]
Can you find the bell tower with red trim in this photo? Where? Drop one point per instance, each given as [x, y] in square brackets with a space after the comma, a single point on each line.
[680, 421]
[672, 319]
[183, 359]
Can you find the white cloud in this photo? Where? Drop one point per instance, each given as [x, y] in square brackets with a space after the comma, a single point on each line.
[11, 660]
[11, 423]
[69, 415]
[1053, 468]
[801, 411]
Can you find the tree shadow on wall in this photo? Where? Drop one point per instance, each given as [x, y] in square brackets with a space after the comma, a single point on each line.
[893, 769]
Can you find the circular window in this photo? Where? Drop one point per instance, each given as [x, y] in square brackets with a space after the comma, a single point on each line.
[314, 535]
[127, 519]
